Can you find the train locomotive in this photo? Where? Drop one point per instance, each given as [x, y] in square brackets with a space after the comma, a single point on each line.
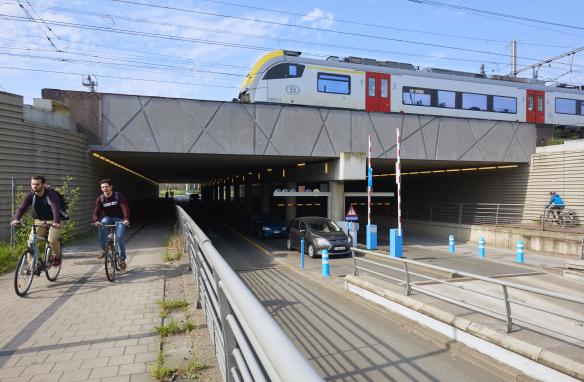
[285, 77]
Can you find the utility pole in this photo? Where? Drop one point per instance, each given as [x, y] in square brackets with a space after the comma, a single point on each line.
[514, 58]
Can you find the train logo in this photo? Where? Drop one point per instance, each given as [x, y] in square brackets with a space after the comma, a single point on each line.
[293, 89]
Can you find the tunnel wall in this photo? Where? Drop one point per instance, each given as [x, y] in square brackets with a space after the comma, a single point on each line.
[27, 149]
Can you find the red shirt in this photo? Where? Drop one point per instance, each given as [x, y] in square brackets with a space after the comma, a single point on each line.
[114, 206]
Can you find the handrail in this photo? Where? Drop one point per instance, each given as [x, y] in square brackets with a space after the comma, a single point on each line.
[409, 285]
[252, 342]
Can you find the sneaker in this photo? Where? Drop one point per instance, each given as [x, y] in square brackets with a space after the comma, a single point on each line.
[101, 255]
[57, 261]
[37, 272]
[123, 263]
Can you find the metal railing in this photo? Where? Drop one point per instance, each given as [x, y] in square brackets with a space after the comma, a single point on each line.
[503, 299]
[485, 213]
[249, 344]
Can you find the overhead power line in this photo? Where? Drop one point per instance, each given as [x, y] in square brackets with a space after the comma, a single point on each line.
[491, 13]
[34, 21]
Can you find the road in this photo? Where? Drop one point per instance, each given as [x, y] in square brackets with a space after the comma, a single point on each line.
[344, 338]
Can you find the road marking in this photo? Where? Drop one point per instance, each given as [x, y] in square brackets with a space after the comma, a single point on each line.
[247, 239]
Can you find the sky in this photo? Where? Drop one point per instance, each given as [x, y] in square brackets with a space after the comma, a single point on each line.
[203, 49]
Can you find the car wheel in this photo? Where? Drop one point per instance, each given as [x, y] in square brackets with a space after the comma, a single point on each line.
[311, 252]
[288, 245]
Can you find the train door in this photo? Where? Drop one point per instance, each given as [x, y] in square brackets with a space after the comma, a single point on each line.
[377, 96]
[535, 106]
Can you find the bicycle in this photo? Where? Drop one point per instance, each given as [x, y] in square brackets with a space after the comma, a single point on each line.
[564, 218]
[30, 263]
[112, 253]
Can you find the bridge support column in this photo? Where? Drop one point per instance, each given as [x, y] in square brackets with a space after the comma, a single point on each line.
[337, 200]
[266, 197]
[290, 203]
[248, 197]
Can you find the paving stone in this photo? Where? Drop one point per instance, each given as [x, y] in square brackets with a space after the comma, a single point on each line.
[52, 377]
[44, 368]
[66, 366]
[104, 372]
[111, 352]
[121, 359]
[11, 371]
[77, 375]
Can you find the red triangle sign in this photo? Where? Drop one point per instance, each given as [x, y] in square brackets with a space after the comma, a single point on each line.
[351, 211]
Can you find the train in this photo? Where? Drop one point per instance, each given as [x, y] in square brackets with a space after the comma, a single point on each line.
[285, 77]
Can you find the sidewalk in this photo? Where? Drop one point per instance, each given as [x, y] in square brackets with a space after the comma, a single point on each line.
[82, 327]
[560, 352]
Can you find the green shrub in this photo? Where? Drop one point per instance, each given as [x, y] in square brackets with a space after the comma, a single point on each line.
[8, 257]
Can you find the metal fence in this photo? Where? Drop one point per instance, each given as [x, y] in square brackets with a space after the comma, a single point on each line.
[518, 308]
[249, 344]
[485, 213]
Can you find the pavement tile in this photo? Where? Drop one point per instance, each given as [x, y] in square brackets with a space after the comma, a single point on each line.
[121, 359]
[9, 361]
[146, 357]
[133, 368]
[52, 377]
[104, 372]
[7, 372]
[143, 377]
[135, 349]
[17, 379]
[94, 363]
[86, 354]
[111, 352]
[59, 357]
[31, 359]
[44, 368]
[66, 366]
[77, 375]
[119, 378]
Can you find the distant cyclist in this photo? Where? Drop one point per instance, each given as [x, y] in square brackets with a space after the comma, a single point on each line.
[45, 208]
[114, 209]
[556, 204]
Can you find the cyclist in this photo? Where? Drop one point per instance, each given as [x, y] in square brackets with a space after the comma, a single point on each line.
[45, 208]
[556, 204]
[114, 210]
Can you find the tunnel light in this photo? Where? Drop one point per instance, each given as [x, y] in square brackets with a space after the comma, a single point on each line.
[107, 160]
[301, 164]
[283, 173]
[468, 169]
[249, 173]
[326, 168]
[488, 168]
[453, 170]
[259, 176]
[438, 171]
[269, 170]
[509, 166]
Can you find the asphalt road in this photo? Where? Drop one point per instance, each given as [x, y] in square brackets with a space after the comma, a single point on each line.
[343, 338]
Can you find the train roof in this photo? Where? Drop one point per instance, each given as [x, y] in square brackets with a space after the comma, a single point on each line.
[369, 65]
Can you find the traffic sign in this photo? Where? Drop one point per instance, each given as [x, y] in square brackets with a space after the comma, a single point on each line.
[351, 215]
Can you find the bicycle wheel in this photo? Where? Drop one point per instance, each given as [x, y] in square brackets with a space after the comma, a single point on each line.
[566, 220]
[51, 270]
[117, 258]
[110, 261]
[24, 273]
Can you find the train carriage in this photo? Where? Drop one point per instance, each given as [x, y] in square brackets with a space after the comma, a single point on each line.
[284, 77]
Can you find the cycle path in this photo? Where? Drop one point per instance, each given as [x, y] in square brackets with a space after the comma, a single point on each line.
[82, 327]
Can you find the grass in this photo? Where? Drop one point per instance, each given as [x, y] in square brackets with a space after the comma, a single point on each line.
[8, 257]
[169, 328]
[170, 305]
[172, 257]
[159, 370]
[194, 368]
[174, 246]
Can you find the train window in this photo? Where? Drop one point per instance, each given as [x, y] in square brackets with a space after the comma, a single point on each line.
[418, 97]
[530, 102]
[539, 103]
[565, 106]
[384, 88]
[581, 107]
[333, 83]
[371, 87]
[284, 70]
[504, 104]
[471, 101]
[446, 99]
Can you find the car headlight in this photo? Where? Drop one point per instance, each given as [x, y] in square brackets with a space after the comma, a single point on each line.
[266, 228]
[322, 242]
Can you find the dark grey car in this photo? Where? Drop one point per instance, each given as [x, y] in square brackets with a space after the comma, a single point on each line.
[319, 233]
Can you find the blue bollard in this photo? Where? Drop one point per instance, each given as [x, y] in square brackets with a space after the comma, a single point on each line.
[451, 243]
[326, 270]
[395, 243]
[302, 254]
[371, 236]
[519, 256]
[481, 247]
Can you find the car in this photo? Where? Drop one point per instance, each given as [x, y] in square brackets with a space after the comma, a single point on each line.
[267, 225]
[319, 233]
[193, 197]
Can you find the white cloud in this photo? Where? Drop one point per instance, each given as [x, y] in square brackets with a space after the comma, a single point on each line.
[318, 18]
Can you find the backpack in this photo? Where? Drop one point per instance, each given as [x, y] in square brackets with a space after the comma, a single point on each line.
[62, 204]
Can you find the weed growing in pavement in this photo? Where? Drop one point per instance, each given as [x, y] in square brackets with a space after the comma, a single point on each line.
[159, 370]
[175, 245]
[168, 306]
[194, 368]
[165, 330]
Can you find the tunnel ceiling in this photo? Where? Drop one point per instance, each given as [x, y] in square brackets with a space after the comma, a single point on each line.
[192, 168]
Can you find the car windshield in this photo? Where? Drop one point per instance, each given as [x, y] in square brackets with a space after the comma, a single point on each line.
[322, 226]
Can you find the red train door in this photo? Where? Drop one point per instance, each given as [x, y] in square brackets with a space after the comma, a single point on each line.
[535, 106]
[377, 92]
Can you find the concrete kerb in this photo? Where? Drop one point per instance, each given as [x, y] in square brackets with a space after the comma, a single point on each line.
[534, 353]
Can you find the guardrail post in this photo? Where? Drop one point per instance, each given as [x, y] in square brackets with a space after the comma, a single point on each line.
[408, 285]
[229, 341]
[507, 310]
[302, 253]
[198, 278]
[519, 255]
[481, 247]
[326, 270]
[451, 244]
[355, 270]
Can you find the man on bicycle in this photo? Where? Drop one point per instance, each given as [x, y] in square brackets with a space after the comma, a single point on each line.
[556, 204]
[114, 210]
[45, 208]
